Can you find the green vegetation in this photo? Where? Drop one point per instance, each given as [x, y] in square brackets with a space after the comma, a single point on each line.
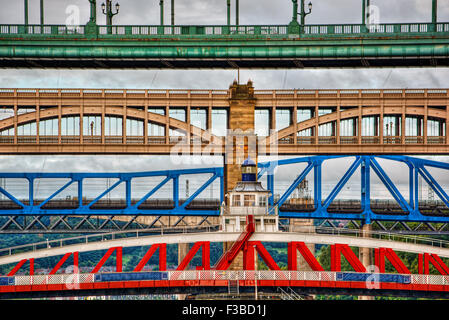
[132, 256]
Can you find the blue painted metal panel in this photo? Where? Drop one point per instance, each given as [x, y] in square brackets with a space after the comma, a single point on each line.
[363, 277]
[7, 281]
[136, 276]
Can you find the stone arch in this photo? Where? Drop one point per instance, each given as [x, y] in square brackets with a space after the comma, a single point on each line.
[51, 113]
[351, 113]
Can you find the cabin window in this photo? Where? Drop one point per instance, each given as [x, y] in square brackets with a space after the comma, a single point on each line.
[249, 200]
[236, 200]
[262, 201]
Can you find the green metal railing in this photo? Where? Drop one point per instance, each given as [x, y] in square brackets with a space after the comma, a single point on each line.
[228, 31]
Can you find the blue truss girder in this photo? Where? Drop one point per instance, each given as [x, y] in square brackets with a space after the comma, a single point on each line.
[342, 182]
[153, 191]
[199, 190]
[11, 197]
[86, 209]
[366, 164]
[390, 186]
[295, 183]
[434, 185]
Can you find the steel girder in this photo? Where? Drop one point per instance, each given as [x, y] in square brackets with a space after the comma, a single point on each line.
[91, 224]
[29, 207]
[268, 46]
[410, 210]
[366, 164]
[94, 224]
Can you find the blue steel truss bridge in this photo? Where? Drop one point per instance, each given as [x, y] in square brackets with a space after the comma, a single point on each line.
[81, 212]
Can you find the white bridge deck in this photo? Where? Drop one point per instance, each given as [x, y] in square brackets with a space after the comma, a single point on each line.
[383, 240]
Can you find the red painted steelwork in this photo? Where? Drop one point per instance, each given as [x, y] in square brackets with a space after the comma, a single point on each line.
[249, 256]
[249, 250]
[64, 259]
[436, 262]
[205, 256]
[224, 283]
[19, 265]
[293, 248]
[106, 257]
[379, 258]
[162, 257]
[226, 259]
[337, 250]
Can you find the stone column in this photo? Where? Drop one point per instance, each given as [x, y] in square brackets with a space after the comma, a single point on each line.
[365, 254]
[305, 226]
[183, 248]
[240, 143]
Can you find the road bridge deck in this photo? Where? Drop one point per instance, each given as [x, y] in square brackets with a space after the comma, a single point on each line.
[353, 239]
[389, 121]
[256, 46]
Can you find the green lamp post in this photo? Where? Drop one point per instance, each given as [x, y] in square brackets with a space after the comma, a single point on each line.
[91, 27]
[107, 10]
[294, 26]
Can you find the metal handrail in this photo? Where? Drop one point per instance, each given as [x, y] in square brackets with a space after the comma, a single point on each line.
[253, 275]
[211, 93]
[220, 30]
[381, 235]
[104, 236]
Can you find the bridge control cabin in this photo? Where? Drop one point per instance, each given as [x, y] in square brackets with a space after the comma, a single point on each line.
[249, 197]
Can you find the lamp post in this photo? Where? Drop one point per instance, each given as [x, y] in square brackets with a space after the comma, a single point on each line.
[434, 11]
[237, 13]
[107, 10]
[303, 12]
[172, 13]
[91, 26]
[363, 12]
[42, 13]
[228, 10]
[161, 5]
[25, 7]
[294, 25]
[434, 15]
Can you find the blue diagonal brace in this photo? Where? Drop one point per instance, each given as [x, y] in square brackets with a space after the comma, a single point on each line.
[104, 193]
[56, 193]
[197, 192]
[390, 186]
[153, 191]
[434, 184]
[262, 172]
[10, 196]
[342, 182]
[294, 184]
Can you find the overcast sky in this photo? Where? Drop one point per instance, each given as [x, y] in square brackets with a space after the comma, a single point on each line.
[146, 12]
